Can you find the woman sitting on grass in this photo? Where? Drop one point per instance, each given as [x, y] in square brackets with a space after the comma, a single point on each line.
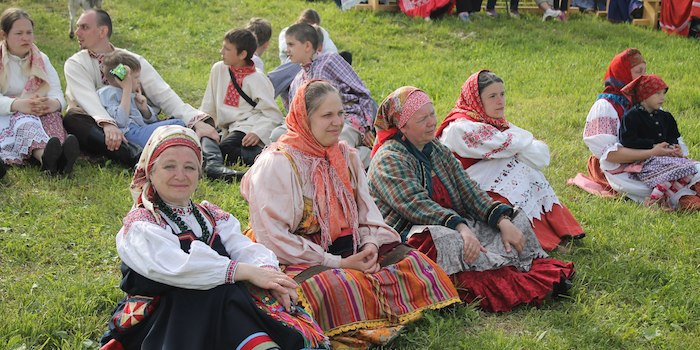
[601, 135]
[505, 160]
[309, 203]
[422, 192]
[193, 281]
[31, 101]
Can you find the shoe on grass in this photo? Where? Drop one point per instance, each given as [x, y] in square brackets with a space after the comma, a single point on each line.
[492, 13]
[550, 14]
[463, 16]
[514, 14]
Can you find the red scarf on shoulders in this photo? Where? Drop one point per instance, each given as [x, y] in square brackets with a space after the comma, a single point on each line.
[232, 97]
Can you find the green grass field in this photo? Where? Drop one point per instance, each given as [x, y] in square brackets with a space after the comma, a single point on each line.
[637, 282]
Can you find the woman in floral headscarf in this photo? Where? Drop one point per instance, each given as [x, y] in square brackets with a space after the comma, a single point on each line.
[193, 281]
[601, 134]
[505, 160]
[423, 193]
[31, 101]
[309, 203]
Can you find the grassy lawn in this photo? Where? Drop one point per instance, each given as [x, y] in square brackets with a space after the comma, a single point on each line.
[637, 279]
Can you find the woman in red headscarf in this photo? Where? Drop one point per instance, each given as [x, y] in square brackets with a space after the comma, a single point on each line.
[310, 204]
[505, 160]
[601, 131]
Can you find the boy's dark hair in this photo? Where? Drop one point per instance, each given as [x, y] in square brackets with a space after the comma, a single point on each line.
[304, 32]
[242, 39]
[112, 60]
[309, 16]
[261, 28]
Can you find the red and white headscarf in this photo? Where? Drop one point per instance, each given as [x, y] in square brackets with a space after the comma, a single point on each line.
[395, 111]
[469, 106]
[162, 138]
[33, 67]
[641, 88]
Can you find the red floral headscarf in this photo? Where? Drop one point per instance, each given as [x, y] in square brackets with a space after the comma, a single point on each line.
[395, 111]
[469, 106]
[641, 88]
[619, 71]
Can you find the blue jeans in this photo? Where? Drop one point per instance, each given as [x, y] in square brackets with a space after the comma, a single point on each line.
[139, 134]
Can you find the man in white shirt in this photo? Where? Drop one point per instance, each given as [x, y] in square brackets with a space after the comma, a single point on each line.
[96, 131]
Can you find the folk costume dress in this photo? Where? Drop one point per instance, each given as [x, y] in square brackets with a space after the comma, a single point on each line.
[424, 8]
[601, 135]
[179, 272]
[311, 206]
[676, 16]
[21, 134]
[507, 161]
[667, 176]
[425, 194]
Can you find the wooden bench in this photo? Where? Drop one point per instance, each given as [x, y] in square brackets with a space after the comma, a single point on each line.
[650, 14]
[523, 7]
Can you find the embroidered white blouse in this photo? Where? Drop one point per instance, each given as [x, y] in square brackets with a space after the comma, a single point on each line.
[510, 165]
[153, 250]
[16, 81]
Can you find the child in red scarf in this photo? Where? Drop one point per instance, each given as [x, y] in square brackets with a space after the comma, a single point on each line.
[646, 126]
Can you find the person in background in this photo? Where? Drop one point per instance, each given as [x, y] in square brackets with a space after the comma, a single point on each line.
[282, 76]
[246, 116]
[302, 46]
[95, 129]
[263, 32]
[31, 101]
[123, 100]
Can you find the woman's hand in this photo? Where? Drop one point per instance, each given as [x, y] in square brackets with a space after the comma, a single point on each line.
[511, 235]
[365, 260]
[45, 105]
[275, 281]
[472, 246]
[288, 300]
[22, 105]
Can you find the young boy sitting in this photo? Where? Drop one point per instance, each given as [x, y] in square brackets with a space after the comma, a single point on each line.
[303, 41]
[241, 99]
[263, 32]
[123, 100]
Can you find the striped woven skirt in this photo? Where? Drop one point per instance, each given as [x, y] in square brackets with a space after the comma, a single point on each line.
[344, 300]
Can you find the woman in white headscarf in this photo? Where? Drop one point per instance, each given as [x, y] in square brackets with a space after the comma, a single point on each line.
[183, 265]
